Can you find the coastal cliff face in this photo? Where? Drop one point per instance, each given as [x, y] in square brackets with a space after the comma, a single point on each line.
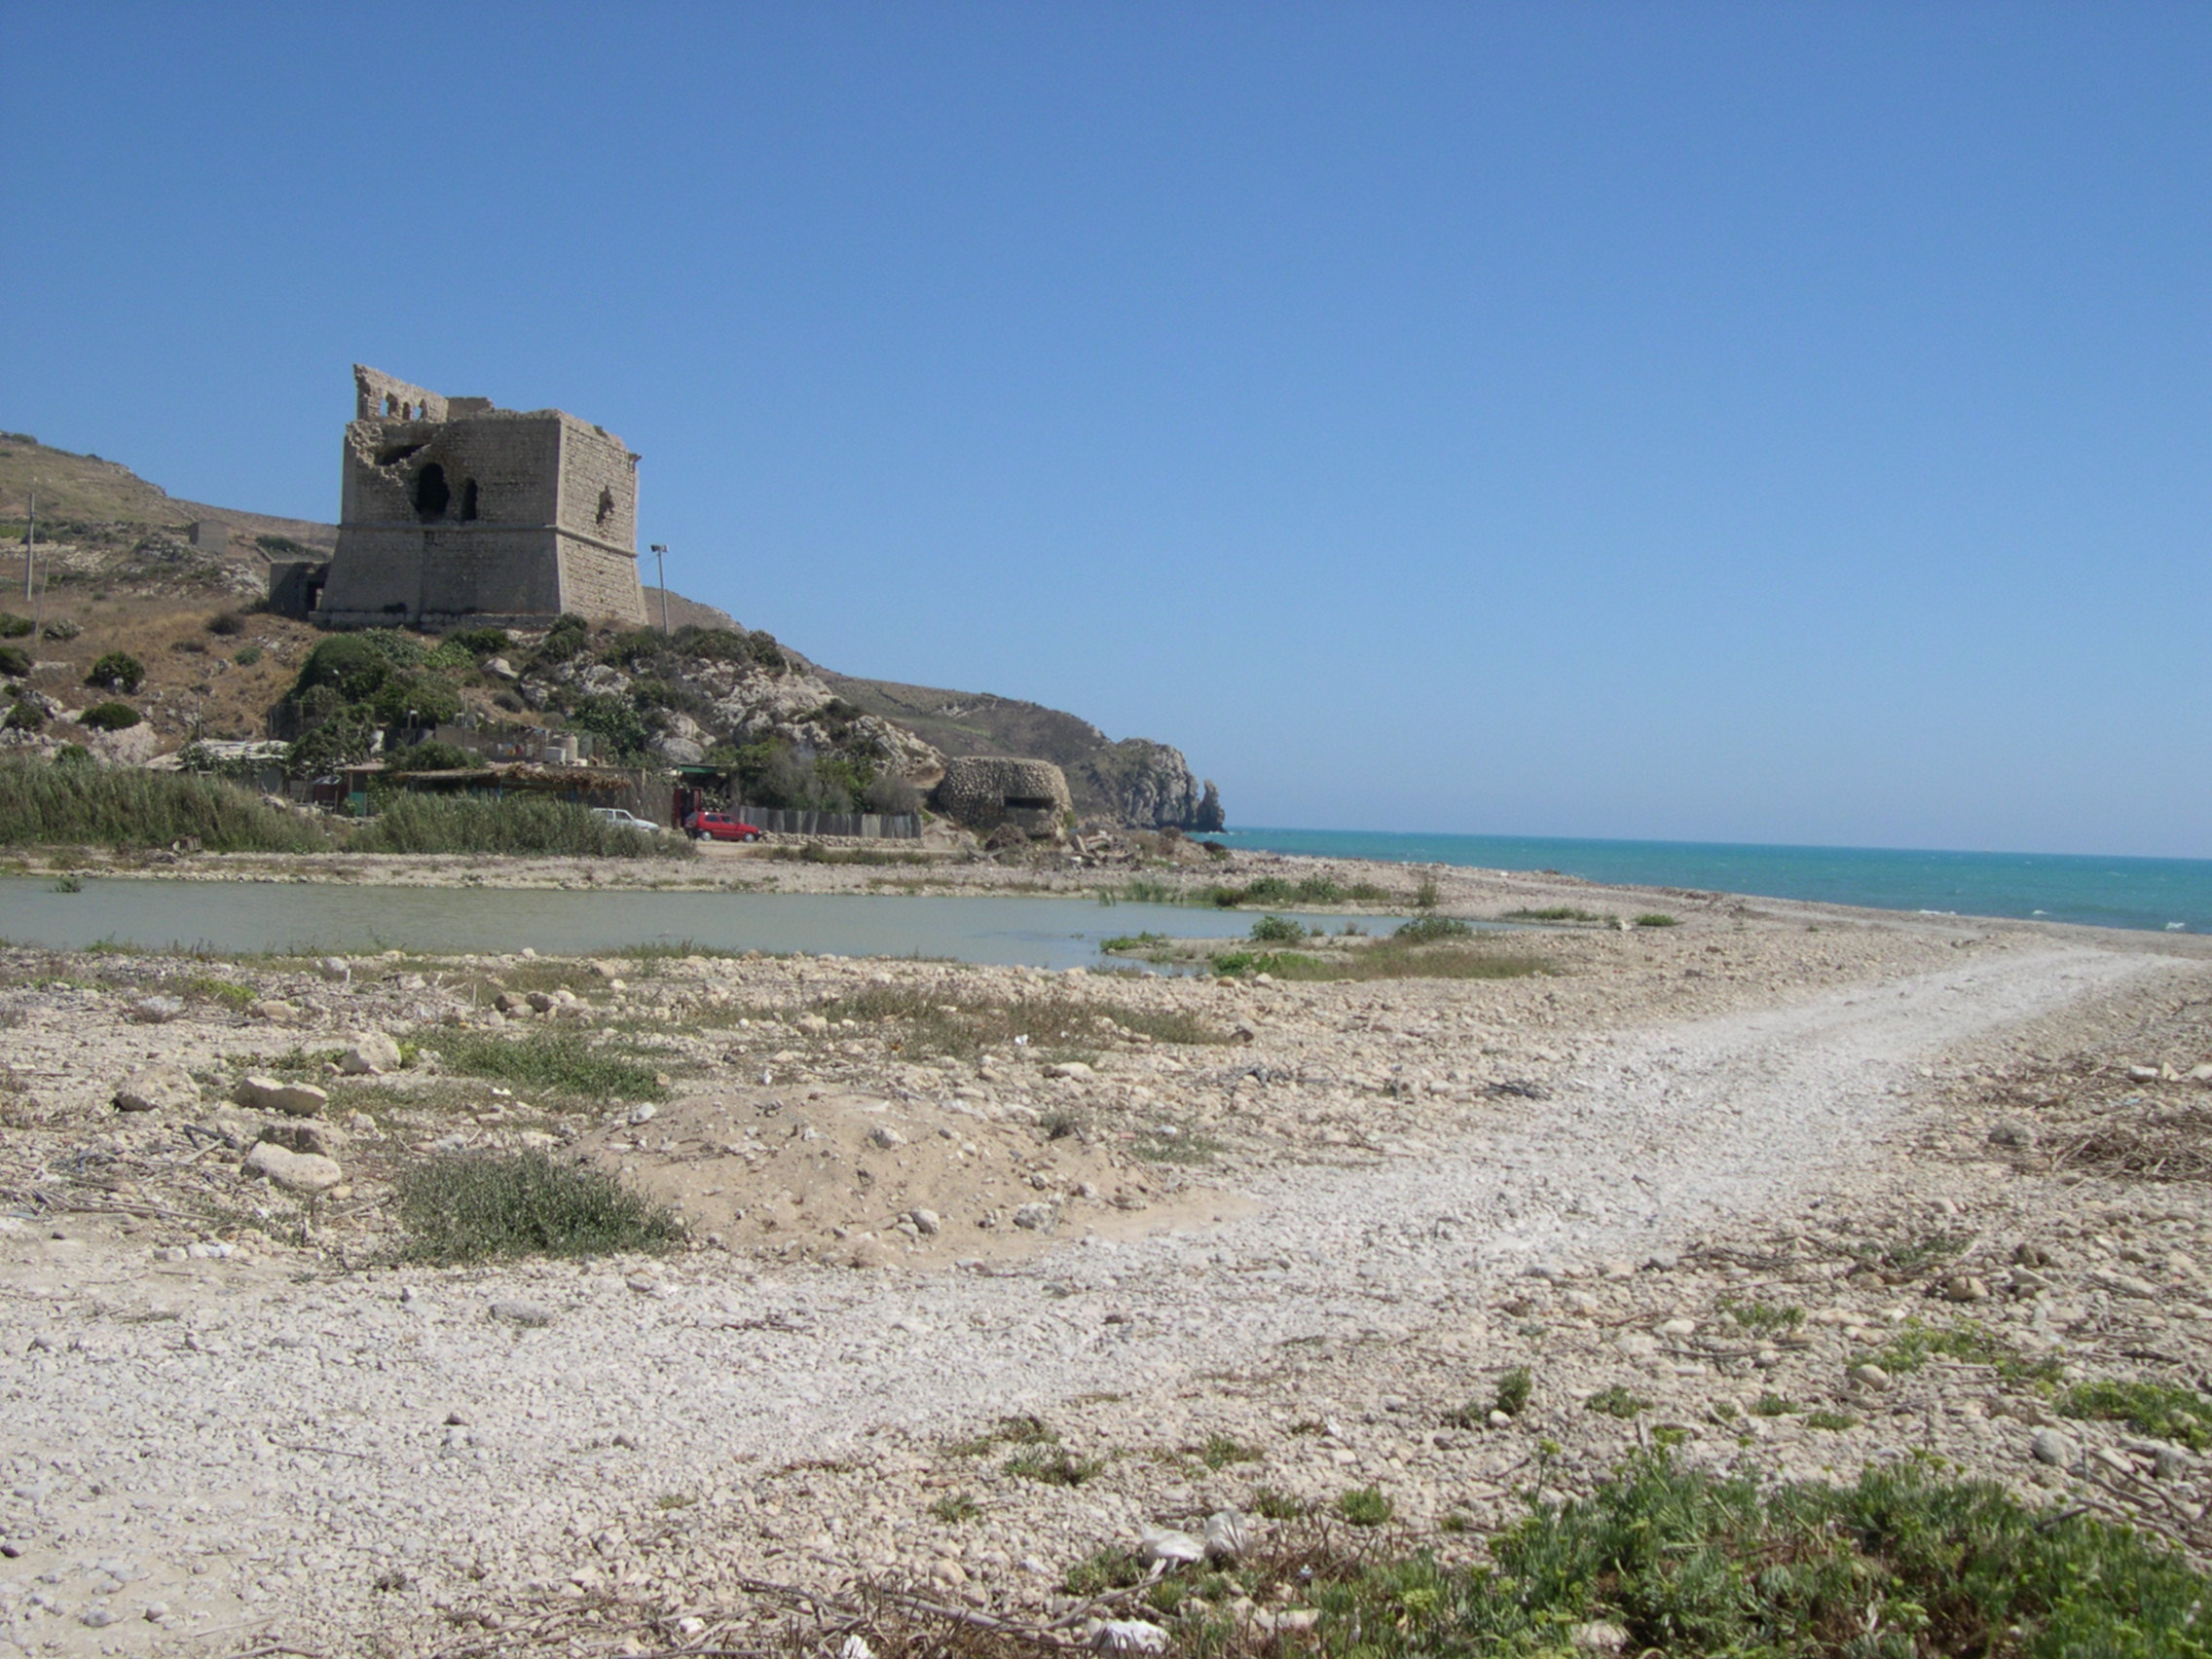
[1135, 782]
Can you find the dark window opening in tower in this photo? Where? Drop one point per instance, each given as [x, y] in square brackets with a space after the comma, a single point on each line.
[430, 492]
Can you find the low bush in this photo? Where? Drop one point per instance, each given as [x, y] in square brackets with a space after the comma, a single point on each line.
[1427, 930]
[1656, 919]
[119, 670]
[110, 717]
[24, 715]
[63, 629]
[1275, 930]
[1902, 1564]
[2159, 1410]
[564, 1062]
[1555, 913]
[246, 657]
[73, 802]
[513, 824]
[15, 661]
[479, 1207]
[226, 624]
[13, 627]
[432, 755]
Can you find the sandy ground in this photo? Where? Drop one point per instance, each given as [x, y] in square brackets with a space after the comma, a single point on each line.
[1279, 1238]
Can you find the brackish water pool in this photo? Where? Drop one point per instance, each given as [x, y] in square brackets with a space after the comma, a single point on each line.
[314, 917]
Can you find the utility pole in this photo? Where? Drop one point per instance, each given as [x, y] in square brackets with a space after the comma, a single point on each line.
[660, 576]
[30, 543]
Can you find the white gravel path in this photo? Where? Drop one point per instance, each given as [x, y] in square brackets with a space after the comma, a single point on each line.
[254, 1453]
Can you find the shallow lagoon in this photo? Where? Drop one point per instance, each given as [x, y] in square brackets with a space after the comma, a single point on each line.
[227, 917]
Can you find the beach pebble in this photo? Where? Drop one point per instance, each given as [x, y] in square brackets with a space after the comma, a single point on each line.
[2054, 1448]
[2011, 1132]
[1869, 1376]
[521, 1310]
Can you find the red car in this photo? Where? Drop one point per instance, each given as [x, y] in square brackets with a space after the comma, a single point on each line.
[720, 827]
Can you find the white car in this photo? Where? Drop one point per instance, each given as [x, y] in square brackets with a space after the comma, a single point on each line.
[622, 819]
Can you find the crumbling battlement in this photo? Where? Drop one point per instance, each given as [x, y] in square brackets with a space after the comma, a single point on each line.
[985, 791]
[458, 514]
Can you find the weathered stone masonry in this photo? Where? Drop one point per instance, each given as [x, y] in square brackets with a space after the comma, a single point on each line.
[458, 514]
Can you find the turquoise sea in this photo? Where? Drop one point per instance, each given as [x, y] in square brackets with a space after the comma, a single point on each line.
[2170, 894]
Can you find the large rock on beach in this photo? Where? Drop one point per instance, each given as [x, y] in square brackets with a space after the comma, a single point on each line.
[292, 1099]
[371, 1053]
[302, 1172]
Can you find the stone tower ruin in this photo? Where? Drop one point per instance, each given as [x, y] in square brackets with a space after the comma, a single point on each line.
[457, 514]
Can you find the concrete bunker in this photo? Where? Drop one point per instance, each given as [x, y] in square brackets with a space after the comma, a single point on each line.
[984, 791]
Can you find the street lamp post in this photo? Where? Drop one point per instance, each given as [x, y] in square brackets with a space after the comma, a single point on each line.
[660, 576]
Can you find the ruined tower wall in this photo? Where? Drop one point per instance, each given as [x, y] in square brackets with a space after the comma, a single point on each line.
[461, 514]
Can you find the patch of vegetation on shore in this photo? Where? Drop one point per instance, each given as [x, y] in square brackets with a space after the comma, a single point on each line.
[935, 1022]
[562, 1062]
[1394, 958]
[1267, 890]
[1555, 914]
[510, 826]
[1660, 1559]
[482, 1206]
[56, 805]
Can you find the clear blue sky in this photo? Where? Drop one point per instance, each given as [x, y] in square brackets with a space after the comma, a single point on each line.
[1726, 421]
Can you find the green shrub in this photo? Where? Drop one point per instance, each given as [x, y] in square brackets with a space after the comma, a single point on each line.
[1656, 919]
[74, 802]
[356, 665]
[481, 641]
[109, 716]
[63, 629]
[119, 670]
[15, 661]
[246, 657]
[1275, 930]
[1555, 913]
[24, 715]
[13, 627]
[226, 624]
[434, 757]
[1427, 930]
[478, 1206]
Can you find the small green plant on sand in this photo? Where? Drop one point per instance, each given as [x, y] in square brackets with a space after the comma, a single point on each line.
[1277, 1505]
[1054, 1465]
[1105, 1570]
[1219, 1450]
[1832, 1422]
[566, 1061]
[956, 1506]
[1656, 919]
[1021, 1430]
[1365, 1506]
[482, 1205]
[1765, 1317]
[1514, 1390]
[1616, 1402]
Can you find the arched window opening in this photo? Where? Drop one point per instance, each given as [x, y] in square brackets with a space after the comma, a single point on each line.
[468, 497]
[390, 404]
[430, 492]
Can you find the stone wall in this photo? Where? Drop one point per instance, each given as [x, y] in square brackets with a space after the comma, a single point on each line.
[457, 513]
[983, 791]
